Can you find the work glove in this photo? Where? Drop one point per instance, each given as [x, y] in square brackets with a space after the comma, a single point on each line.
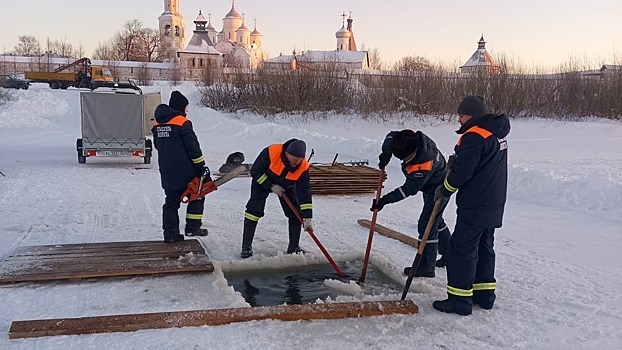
[442, 193]
[207, 174]
[380, 204]
[451, 161]
[384, 158]
[278, 190]
[307, 224]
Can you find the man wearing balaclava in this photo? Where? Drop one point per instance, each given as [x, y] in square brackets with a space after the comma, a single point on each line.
[279, 169]
[479, 175]
[424, 167]
[180, 160]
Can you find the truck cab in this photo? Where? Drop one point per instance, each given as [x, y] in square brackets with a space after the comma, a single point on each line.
[101, 74]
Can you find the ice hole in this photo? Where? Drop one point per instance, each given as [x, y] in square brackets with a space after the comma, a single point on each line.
[305, 285]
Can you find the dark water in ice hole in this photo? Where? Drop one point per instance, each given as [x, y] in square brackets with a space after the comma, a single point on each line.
[304, 285]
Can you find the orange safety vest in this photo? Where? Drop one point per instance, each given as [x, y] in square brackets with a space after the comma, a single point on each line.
[476, 129]
[178, 120]
[277, 166]
[419, 167]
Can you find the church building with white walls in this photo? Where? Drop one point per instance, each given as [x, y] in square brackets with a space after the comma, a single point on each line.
[236, 44]
[345, 57]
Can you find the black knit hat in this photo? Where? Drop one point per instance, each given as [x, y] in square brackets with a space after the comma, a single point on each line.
[473, 105]
[178, 101]
[297, 148]
[404, 144]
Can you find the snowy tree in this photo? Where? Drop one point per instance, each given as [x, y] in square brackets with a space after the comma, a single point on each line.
[414, 64]
[27, 45]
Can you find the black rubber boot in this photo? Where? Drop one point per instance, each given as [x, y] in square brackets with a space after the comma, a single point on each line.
[247, 238]
[201, 232]
[172, 236]
[442, 262]
[426, 264]
[448, 307]
[484, 299]
[294, 237]
[419, 273]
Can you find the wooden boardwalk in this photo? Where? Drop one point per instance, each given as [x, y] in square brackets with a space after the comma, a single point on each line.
[90, 260]
[214, 317]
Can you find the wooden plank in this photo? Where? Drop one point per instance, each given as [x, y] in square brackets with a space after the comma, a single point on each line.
[214, 317]
[99, 273]
[76, 261]
[187, 245]
[105, 254]
[75, 265]
[387, 232]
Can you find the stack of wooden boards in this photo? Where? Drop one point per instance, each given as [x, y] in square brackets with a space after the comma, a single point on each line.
[340, 179]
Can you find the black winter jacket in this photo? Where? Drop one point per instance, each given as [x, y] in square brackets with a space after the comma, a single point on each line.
[266, 177]
[480, 174]
[179, 153]
[425, 172]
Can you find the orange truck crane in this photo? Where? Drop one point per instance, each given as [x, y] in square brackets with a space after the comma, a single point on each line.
[87, 76]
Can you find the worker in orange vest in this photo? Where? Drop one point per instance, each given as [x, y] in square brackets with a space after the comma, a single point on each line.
[180, 160]
[279, 168]
[480, 176]
[424, 167]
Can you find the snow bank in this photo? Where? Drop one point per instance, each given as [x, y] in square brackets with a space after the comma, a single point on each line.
[32, 108]
[587, 186]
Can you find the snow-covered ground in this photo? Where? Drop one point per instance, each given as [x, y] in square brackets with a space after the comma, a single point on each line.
[559, 264]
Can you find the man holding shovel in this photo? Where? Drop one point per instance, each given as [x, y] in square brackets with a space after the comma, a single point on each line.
[283, 170]
[425, 168]
[480, 178]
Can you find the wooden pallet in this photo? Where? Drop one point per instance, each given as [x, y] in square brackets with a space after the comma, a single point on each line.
[387, 232]
[215, 317]
[340, 179]
[76, 261]
[343, 179]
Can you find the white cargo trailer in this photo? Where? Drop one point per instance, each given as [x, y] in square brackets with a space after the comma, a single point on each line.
[116, 122]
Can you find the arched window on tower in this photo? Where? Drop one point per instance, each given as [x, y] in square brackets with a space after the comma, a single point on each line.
[177, 31]
[167, 30]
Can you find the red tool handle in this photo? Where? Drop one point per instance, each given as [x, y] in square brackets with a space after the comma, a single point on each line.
[317, 241]
[372, 227]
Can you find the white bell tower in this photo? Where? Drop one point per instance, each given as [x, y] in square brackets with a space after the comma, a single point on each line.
[172, 28]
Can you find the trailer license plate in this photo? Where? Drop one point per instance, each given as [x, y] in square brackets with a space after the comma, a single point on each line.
[114, 153]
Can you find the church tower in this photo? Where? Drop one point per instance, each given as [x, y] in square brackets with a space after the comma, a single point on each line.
[230, 24]
[172, 29]
[352, 42]
[343, 36]
[244, 35]
[211, 31]
[480, 61]
[256, 38]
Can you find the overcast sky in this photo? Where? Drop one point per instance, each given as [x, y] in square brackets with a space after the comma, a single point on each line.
[544, 33]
